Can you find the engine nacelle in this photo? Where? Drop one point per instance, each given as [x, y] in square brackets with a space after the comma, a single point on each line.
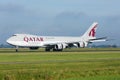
[65, 45]
[82, 44]
[59, 47]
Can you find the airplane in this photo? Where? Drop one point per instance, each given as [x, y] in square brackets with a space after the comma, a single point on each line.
[55, 43]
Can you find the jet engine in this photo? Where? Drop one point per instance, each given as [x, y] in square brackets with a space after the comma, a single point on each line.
[82, 44]
[59, 47]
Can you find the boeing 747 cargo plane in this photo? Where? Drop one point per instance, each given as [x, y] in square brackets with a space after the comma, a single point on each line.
[55, 43]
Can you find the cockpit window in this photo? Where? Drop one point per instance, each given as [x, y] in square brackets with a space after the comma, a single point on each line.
[14, 35]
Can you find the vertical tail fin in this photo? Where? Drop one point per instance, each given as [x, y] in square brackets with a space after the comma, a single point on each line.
[90, 33]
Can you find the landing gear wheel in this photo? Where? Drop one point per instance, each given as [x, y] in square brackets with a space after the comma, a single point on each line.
[57, 49]
[47, 49]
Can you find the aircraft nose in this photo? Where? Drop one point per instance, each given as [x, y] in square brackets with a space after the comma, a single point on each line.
[8, 41]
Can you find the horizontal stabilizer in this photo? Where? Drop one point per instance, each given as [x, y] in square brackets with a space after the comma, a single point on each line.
[98, 39]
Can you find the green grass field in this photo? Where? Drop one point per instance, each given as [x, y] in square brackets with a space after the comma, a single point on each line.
[71, 64]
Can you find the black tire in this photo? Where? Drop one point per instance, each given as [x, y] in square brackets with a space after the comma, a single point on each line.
[47, 49]
[57, 49]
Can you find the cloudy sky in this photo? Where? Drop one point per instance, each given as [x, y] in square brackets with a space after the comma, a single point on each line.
[60, 18]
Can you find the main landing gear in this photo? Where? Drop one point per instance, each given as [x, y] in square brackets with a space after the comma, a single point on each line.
[48, 49]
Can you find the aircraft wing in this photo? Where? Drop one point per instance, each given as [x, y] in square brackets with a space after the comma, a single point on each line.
[50, 44]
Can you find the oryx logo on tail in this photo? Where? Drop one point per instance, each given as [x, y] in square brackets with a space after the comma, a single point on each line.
[93, 31]
[90, 33]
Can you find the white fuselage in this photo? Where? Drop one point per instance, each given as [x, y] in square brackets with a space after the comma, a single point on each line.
[39, 41]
